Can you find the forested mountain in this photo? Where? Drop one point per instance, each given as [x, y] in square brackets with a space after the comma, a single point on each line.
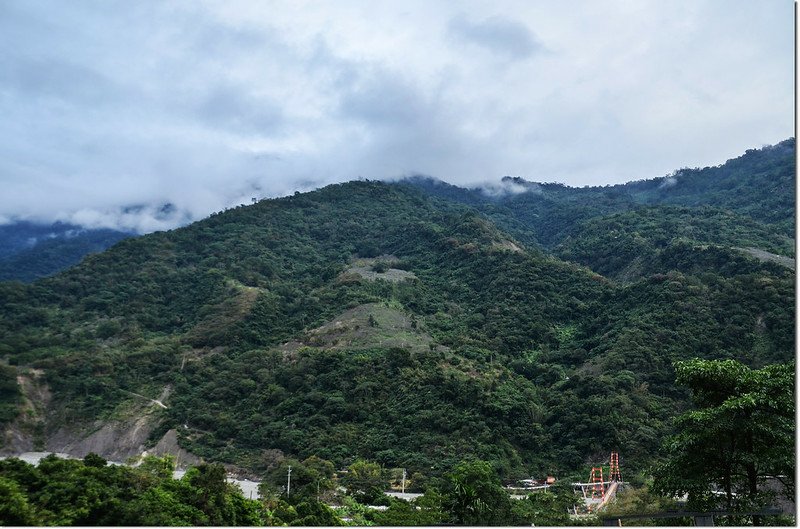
[29, 251]
[378, 321]
[647, 240]
[760, 185]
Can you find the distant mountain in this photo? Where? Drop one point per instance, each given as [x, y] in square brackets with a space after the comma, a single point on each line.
[759, 184]
[29, 250]
[653, 239]
[400, 323]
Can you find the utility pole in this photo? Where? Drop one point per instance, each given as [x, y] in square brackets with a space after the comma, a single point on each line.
[403, 483]
[288, 481]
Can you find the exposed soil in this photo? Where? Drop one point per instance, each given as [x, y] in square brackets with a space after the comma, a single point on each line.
[114, 440]
[363, 327]
[24, 434]
[169, 445]
[763, 255]
[365, 268]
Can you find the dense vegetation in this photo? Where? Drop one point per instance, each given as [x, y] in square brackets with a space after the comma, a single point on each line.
[739, 436]
[651, 240]
[91, 492]
[758, 185]
[29, 251]
[371, 320]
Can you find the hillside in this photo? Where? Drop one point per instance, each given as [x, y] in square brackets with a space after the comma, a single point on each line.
[758, 185]
[372, 320]
[29, 251]
[657, 239]
[250, 279]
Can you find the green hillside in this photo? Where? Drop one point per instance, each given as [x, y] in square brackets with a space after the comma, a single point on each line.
[658, 239]
[759, 185]
[370, 320]
[29, 251]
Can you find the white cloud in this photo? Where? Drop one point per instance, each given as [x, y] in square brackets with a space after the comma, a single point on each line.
[202, 106]
[667, 182]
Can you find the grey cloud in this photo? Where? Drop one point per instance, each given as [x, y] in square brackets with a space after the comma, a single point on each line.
[382, 98]
[49, 77]
[499, 35]
[410, 129]
[137, 219]
[207, 105]
[234, 108]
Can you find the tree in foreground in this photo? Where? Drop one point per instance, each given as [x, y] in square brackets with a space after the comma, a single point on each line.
[740, 433]
[66, 492]
[474, 495]
[546, 508]
[425, 510]
[364, 481]
[311, 480]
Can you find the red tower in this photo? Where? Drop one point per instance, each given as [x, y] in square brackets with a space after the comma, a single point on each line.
[596, 479]
[613, 471]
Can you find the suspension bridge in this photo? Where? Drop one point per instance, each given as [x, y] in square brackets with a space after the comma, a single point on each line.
[598, 492]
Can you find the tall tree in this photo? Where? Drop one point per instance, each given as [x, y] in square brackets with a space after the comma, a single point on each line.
[475, 495]
[740, 432]
[364, 481]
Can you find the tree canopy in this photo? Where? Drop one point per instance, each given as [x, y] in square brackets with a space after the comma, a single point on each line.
[740, 433]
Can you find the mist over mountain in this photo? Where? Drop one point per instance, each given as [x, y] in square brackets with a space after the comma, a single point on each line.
[410, 323]
[758, 184]
[342, 252]
[29, 251]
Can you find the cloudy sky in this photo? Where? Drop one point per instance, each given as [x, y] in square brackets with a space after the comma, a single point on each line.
[112, 109]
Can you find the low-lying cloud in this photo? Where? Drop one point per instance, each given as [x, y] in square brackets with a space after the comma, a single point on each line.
[114, 109]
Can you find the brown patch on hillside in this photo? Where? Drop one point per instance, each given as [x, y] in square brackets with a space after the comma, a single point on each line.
[221, 317]
[374, 268]
[363, 327]
[25, 433]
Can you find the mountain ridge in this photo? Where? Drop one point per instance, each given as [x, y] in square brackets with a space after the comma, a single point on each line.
[771, 166]
[510, 353]
[758, 184]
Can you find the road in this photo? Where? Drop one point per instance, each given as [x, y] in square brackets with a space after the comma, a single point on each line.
[154, 401]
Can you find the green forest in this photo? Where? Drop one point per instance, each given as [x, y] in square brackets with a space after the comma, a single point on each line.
[410, 325]
[92, 492]
[29, 251]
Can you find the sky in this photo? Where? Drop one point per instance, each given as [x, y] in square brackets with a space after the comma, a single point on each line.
[112, 109]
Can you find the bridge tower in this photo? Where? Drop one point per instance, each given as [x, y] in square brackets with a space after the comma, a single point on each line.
[596, 479]
[614, 473]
